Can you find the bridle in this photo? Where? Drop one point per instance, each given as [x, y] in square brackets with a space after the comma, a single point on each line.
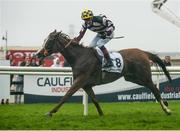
[69, 43]
[62, 48]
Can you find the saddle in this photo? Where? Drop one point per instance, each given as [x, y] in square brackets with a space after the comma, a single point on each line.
[116, 58]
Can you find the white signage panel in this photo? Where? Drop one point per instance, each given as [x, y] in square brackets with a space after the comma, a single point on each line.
[58, 85]
[5, 82]
[48, 85]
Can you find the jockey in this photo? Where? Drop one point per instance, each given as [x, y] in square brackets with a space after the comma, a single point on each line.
[104, 29]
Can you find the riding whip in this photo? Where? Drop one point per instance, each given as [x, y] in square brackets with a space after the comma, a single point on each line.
[118, 37]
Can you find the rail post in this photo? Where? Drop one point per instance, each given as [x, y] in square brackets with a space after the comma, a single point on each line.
[85, 103]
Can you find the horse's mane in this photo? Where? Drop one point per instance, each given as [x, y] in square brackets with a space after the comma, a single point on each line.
[74, 43]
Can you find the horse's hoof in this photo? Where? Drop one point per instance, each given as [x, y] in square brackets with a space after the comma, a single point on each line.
[48, 114]
[101, 114]
[165, 103]
[168, 112]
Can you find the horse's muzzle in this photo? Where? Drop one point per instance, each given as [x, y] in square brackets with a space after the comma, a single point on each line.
[46, 52]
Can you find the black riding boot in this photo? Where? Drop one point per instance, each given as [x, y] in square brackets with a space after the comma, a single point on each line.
[109, 63]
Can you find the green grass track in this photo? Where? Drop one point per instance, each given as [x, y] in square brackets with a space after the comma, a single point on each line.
[126, 115]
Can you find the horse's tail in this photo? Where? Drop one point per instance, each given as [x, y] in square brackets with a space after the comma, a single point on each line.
[157, 60]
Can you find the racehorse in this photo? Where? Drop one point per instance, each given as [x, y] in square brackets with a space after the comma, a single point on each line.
[87, 68]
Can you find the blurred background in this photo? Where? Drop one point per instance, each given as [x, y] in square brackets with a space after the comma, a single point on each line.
[28, 22]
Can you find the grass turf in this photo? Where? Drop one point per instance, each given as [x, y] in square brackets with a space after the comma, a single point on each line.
[129, 115]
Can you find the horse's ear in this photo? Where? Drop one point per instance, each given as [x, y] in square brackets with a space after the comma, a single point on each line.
[54, 31]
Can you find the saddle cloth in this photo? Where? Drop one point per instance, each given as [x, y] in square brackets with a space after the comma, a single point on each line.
[116, 58]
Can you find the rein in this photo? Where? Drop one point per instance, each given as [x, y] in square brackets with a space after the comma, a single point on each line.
[64, 47]
[69, 43]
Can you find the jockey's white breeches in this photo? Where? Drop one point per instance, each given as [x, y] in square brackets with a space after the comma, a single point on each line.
[99, 42]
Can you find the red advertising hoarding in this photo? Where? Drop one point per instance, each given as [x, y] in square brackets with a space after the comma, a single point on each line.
[17, 56]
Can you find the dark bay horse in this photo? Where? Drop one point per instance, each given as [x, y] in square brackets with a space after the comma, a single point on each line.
[86, 68]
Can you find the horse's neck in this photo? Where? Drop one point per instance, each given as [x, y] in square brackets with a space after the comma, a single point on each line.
[69, 57]
[74, 53]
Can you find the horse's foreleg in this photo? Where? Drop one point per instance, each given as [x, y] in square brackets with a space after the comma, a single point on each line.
[90, 92]
[164, 107]
[78, 83]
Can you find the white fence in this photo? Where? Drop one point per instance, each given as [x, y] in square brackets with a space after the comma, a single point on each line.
[35, 70]
[174, 70]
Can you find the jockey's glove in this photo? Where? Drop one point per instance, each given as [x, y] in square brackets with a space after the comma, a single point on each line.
[76, 40]
[105, 34]
[108, 32]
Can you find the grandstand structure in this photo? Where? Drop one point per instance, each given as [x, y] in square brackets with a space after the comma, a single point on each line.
[174, 55]
[158, 7]
[18, 53]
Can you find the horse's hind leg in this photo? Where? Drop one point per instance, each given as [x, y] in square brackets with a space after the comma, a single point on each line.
[90, 92]
[157, 94]
[147, 82]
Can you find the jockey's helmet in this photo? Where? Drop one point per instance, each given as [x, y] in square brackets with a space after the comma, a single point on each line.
[86, 14]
